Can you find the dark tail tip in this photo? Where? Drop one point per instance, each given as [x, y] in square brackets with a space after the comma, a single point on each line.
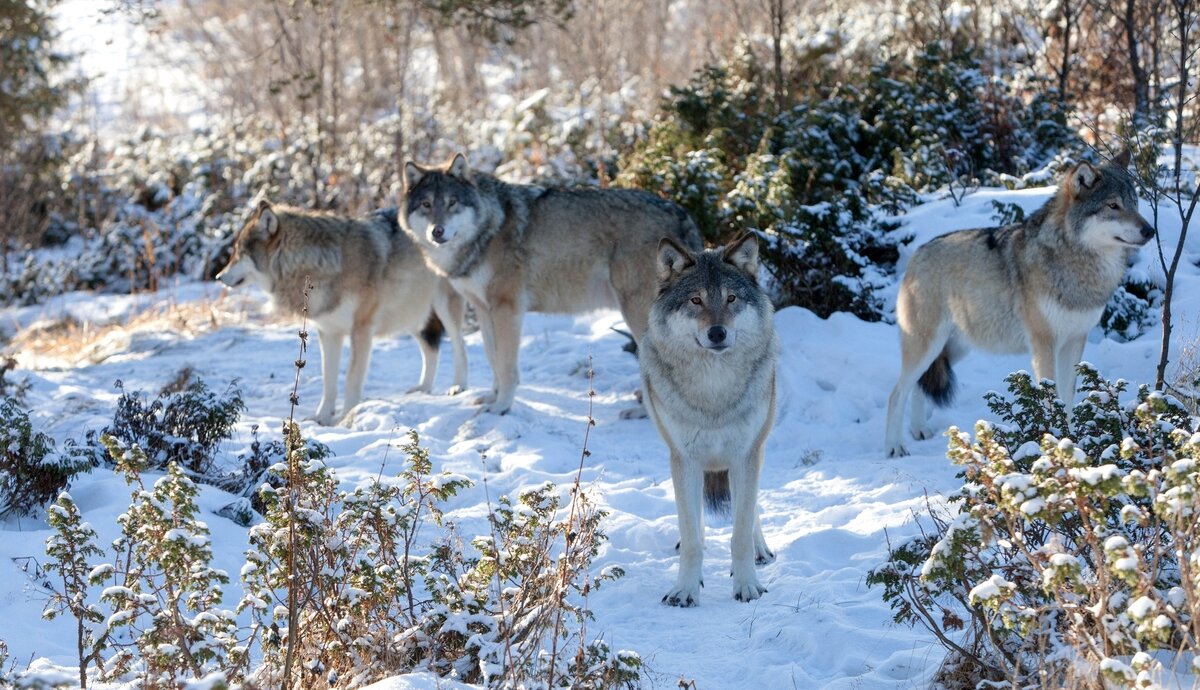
[716, 492]
[938, 381]
[433, 331]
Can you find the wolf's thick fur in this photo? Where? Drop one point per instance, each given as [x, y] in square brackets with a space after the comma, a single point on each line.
[368, 278]
[1038, 285]
[512, 248]
[708, 377]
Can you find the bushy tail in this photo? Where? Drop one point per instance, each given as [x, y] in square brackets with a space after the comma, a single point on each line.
[938, 380]
[716, 492]
[433, 331]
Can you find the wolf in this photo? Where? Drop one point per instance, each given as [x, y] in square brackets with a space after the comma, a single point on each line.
[512, 248]
[367, 278]
[708, 380]
[1038, 285]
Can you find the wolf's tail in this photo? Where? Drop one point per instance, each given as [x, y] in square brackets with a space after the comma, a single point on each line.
[433, 331]
[938, 381]
[716, 492]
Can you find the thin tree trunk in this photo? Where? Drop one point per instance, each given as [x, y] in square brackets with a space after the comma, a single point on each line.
[1141, 83]
[1184, 17]
[777, 18]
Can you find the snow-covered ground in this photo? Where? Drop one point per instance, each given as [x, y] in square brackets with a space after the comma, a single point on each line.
[831, 500]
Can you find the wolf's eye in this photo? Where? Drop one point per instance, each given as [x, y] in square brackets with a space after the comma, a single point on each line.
[731, 298]
[1115, 206]
[451, 202]
[695, 300]
[426, 204]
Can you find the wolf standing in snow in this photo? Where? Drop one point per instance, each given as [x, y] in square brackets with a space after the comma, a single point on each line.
[708, 379]
[368, 278]
[512, 248]
[1038, 285]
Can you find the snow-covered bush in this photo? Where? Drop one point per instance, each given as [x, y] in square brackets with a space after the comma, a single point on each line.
[32, 470]
[1062, 554]
[499, 608]
[186, 426]
[165, 623]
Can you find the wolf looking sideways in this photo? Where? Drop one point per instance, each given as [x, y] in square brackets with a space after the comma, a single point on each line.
[708, 377]
[1039, 285]
[367, 279]
[512, 248]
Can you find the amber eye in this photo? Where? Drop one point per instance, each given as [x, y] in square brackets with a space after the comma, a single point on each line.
[731, 298]
[695, 300]
[451, 203]
[426, 204]
[1115, 206]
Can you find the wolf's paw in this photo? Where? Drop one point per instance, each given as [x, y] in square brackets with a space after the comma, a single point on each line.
[763, 557]
[485, 399]
[684, 597]
[455, 389]
[897, 451]
[638, 412]
[922, 433]
[749, 590]
[497, 408]
[324, 417]
[418, 389]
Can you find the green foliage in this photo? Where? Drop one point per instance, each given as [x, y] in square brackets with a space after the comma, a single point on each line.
[32, 471]
[185, 427]
[1060, 549]
[165, 623]
[70, 548]
[820, 180]
[497, 610]
[32, 88]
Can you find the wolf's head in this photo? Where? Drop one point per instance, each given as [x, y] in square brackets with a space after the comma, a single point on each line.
[251, 249]
[440, 203]
[1102, 208]
[711, 299]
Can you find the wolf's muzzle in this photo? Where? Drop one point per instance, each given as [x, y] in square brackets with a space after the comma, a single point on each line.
[438, 233]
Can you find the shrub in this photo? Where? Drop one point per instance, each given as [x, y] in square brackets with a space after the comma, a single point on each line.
[32, 471]
[820, 179]
[184, 427]
[165, 622]
[1062, 554]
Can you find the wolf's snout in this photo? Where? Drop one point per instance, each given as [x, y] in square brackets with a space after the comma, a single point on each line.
[716, 335]
[439, 233]
[1147, 232]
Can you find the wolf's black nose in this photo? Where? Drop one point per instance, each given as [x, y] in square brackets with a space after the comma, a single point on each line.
[1147, 231]
[438, 232]
[716, 334]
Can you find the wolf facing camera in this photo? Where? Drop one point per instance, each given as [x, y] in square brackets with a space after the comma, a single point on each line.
[512, 248]
[708, 380]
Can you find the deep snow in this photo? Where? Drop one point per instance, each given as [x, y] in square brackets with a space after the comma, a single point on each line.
[830, 499]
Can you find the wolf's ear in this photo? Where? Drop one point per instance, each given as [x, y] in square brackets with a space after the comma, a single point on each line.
[459, 168]
[1121, 160]
[412, 175]
[672, 258]
[1082, 177]
[743, 254]
[268, 222]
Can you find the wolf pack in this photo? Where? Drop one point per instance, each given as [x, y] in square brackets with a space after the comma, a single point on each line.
[701, 321]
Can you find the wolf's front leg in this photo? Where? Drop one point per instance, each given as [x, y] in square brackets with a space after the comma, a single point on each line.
[506, 338]
[331, 358]
[747, 532]
[688, 479]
